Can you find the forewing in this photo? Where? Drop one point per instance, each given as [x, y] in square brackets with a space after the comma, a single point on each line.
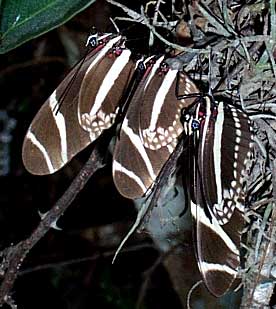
[150, 131]
[223, 153]
[55, 135]
[224, 149]
[100, 98]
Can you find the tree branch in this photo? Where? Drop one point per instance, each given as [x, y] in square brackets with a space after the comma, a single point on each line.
[14, 256]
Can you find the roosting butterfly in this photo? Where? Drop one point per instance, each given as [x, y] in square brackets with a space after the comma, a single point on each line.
[84, 104]
[221, 141]
[150, 130]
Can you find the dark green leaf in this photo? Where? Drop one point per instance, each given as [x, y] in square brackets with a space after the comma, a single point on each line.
[24, 20]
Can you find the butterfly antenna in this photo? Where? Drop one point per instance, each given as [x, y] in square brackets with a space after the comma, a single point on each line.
[114, 25]
[92, 40]
[210, 75]
[69, 85]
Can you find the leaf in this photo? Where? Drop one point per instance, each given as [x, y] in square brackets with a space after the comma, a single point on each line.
[22, 20]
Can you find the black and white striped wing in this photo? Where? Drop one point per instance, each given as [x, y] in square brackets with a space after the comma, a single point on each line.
[100, 98]
[55, 135]
[150, 130]
[224, 149]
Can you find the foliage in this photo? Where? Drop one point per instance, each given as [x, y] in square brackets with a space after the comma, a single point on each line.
[22, 20]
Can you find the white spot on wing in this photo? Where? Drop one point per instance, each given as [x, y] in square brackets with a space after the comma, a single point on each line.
[170, 148]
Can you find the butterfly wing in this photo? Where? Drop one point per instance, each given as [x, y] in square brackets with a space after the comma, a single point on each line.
[224, 149]
[100, 98]
[149, 131]
[55, 135]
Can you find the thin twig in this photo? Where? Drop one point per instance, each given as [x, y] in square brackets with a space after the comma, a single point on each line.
[15, 255]
[106, 254]
[155, 18]
[141, 18]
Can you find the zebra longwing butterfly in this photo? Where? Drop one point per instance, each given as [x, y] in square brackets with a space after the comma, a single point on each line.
[222, 136]
[84, 104]
[150, 129]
